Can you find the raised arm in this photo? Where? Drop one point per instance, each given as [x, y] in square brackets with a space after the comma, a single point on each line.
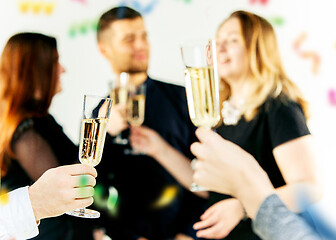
[150, 142]
[297, 162]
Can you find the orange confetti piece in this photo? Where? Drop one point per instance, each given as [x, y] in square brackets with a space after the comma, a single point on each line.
[305, 54]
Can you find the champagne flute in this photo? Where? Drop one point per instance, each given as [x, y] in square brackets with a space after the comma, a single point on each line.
[136, 108]
[202, 85]
[93, 132]
[118, 94]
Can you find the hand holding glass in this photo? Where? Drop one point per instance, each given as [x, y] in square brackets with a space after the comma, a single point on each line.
[118, 94]
[202, 85]
[93, 132]
[136, 108]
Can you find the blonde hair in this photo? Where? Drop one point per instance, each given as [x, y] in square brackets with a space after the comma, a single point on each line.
[267, 76]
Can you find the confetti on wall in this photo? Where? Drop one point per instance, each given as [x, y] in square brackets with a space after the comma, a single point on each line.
[186, 1]
[307, 54]
[262, 2]
[36, 7]
[332, 97]
[142, 8]
[276, 21]
[83, 28]
[79, 1]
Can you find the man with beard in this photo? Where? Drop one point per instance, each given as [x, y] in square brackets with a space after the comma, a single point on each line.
[151, 204]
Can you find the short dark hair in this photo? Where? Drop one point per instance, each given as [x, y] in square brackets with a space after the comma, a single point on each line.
[117, 13]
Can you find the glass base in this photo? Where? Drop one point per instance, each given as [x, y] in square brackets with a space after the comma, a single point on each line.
[128, 151]
[196, 188]
[84, 213]
[120, 141]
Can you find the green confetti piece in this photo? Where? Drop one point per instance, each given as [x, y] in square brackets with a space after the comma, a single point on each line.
[112, 201]
[73, 31]
[99, 201]
[278, 21]
[83, 28]
[113, 197]
[94, 25]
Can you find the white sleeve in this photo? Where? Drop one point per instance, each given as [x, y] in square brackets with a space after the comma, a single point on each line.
[17, 218]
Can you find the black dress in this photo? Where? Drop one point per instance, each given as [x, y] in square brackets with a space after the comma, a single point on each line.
[140, 179]
[40, 144]
[279, 120]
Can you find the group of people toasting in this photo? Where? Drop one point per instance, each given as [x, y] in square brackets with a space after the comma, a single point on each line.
[259, 132]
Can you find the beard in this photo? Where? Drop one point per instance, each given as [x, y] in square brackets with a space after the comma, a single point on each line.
[137, 68]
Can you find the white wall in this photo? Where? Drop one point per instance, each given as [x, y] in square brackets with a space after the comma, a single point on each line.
[171, 21]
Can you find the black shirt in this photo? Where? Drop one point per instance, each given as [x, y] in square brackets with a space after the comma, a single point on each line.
[47, 146]
[279, 120]
[140, 179]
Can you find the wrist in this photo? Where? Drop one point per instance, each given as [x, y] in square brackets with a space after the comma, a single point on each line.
[162, 151]
[34, 203]
[253, 193]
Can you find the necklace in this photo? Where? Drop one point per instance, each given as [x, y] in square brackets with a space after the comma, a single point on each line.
[231, 115]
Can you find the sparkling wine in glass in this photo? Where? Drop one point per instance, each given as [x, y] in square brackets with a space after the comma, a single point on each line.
[136, 108]
[118, 94]
[93, 132]
[202, 85]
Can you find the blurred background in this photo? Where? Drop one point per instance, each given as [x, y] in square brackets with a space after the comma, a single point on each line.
[304, 30]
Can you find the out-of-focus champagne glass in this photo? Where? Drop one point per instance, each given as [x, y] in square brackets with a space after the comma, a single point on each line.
[93, 132]
[118, 94]
[202, 85]
[136, 108]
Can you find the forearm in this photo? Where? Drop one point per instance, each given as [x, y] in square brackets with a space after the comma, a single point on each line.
[178, 166]
[252, 190]
[291, 194]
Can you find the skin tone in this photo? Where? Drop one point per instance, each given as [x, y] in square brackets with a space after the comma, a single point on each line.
[294, 158]
[150, 142]
[61, 189]
[124, 44]
[60, 71]
[232, 58]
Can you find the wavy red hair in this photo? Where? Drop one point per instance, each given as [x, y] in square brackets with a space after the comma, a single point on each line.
[28, 76]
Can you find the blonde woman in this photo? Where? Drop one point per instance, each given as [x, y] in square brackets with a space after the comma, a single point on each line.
[263, 112]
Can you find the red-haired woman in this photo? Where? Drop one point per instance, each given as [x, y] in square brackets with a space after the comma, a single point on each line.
[31, 141]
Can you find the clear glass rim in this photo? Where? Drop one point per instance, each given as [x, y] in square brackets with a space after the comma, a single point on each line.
[195, 42]
[96, 96]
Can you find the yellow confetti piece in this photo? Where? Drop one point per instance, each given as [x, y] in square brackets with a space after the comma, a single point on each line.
[49, 8]
[37, 7]
[24, 6]
[4, 197]
[168, 195]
